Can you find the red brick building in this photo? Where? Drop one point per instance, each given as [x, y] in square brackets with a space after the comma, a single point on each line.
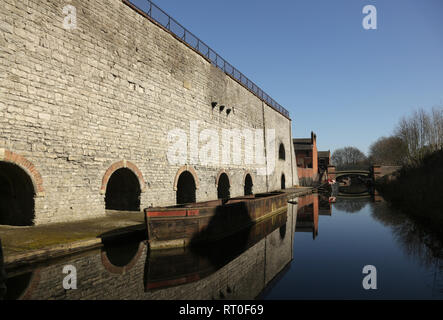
[311, 164]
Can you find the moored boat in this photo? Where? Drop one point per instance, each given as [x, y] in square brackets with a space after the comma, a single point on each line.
[168, 268]
[193, 223]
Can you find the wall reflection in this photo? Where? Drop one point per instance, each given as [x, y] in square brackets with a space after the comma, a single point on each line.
[240, 267]
[307, 214]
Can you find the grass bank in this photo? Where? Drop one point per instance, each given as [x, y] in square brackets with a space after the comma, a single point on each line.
[417, 190]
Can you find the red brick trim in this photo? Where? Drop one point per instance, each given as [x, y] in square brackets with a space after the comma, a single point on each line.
[191, 170]
[244, 177]
[122, 270]
[27, 166]
[123, 164]
[219, 175]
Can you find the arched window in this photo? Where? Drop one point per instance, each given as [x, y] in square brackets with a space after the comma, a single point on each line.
[186, 188]
[281, 152]
[123, 191]
[283, 182]
[248, 185]
[223, 187]
[16, 196]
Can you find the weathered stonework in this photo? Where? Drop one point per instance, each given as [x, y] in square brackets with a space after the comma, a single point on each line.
[74, 102]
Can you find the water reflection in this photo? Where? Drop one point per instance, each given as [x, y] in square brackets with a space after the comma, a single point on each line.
[166, 268]
[414, 239]
[240, 267]
[275, 259]
[307, 214]
[408, 257]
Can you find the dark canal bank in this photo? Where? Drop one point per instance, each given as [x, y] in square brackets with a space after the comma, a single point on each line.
[315, 250]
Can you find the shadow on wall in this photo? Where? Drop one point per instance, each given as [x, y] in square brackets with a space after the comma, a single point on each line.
[16, 196]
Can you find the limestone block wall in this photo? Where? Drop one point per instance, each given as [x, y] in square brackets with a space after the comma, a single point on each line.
[79, 103]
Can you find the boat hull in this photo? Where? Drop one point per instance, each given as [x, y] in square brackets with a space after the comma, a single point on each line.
[168, 268]
[182, 225]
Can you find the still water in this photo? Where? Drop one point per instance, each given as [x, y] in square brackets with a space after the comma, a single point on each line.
[315, 250]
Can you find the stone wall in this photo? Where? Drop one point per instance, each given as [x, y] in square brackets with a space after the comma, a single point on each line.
[78, 103]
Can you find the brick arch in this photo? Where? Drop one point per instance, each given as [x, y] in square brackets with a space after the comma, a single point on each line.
[191, 170]
[123, 164]
[219, 175]
[107, 264]
[28, 167]
[244, 177]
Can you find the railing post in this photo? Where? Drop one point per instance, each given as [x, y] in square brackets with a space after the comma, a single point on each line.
[241, 78]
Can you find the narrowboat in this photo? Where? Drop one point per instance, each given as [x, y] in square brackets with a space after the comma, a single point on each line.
[168, 268]
[194, 223]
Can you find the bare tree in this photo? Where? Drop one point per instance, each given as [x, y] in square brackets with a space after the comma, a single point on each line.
[349, 158]
[422, 133]
[388, 151]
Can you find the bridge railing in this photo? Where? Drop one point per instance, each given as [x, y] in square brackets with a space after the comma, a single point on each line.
[169, 23]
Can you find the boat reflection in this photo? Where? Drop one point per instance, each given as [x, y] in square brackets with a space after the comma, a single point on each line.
[165, 268]
[238, 268]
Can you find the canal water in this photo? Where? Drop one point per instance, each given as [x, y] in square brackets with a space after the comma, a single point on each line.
[315, 250]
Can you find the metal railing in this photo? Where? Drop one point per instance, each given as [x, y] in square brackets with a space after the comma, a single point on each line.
[162, 18]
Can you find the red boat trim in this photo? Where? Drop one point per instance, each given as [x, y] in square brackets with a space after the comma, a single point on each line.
[173, 282]
[193, 212]
[176, 213]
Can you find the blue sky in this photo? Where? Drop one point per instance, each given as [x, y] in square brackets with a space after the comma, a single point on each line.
[347, 84]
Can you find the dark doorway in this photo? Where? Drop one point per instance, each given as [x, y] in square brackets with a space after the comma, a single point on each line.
[283, 182]
[281, 152]
[223, 187]
[248, 185]
[123, 191]
[186, 188]
[16, 196]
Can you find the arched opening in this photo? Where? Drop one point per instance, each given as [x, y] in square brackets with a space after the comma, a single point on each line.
[283, 182]
[123, 191]
[248, 185]
[281, 152]
[223, 187]
[16, 196]
[186, 188]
